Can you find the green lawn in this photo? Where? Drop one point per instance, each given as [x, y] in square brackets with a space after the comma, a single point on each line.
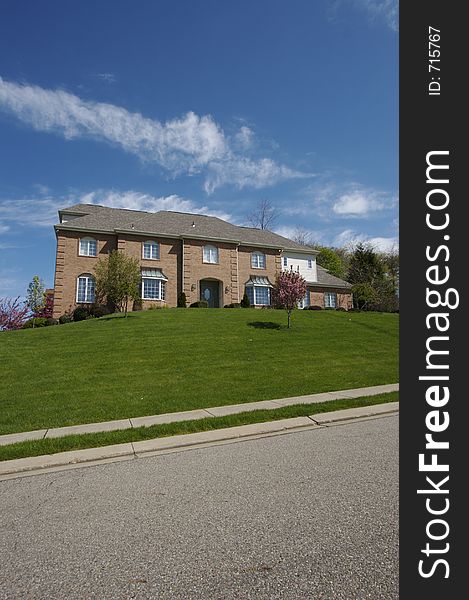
[170, 360]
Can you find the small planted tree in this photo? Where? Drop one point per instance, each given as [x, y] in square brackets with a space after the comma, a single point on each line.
[289, 289]
[13, 313]
[182, 300]
[35, 296]
[117, 280]
[47, 309]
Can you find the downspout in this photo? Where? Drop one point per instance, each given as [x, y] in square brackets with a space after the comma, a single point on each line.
[182, 266]
[237, 268]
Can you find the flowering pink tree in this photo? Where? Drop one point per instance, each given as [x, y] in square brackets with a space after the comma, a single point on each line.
[47, 310]
[12, 313]
[289, 289]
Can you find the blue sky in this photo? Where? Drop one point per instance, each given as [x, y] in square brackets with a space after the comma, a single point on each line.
[206, 106]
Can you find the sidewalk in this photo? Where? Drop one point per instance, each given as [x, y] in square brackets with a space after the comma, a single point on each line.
[191, 415]
[93, 456]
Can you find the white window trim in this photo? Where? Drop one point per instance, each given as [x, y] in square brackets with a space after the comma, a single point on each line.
[204, 258]
[161, 289]
[87, 240]
[88, 278]
[328, 295]
[254, 294]
[309, 262]
[257, 257]
[285, 262]
[152, 244]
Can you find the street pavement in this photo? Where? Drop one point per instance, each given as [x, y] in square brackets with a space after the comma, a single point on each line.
[311, 514]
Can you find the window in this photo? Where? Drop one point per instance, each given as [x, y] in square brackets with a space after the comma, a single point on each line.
[151, 250]
[304, 302]
[330, 300]
[210, 254]
[87, 247]
[258, 294]
[153, 284]
[285, 261]
[258, 260]
[310, 263]
[85, 289]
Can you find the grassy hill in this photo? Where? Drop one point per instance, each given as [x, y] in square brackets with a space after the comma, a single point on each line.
[170, 360]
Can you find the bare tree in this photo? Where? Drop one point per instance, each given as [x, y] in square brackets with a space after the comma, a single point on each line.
[302, 236]
[264, 216]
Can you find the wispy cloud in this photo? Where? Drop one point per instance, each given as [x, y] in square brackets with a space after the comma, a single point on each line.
[4, 228]
[384, 11]
[346, 200]
[42, 212]
[349, 238]
[107, 77]
[188, 145]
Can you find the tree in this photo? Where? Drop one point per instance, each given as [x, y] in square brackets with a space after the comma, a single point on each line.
[289, 289]
[117, 280]
[264, 215]
[46, 311]
[330, 259]
[302, 236]
[372, 287]
[12, 313]
[36, 295]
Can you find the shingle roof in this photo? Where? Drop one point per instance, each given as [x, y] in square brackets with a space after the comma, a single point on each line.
[327, 280]
[171, 223]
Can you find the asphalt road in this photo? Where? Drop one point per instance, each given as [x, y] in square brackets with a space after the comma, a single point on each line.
[312, 514]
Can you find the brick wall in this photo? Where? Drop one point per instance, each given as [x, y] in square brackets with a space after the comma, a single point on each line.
[316, 297]
[69, 265]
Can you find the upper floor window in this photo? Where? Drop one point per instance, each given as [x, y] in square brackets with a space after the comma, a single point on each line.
[87, 247]
[310, 263]
[258, 260]
[85, 288]
[210, 254]
[151, 250]
[285, 261]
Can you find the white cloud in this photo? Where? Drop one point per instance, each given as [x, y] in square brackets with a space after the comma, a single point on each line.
[244, 137]
[349, 238]
[312, 235]
[4, 228]
[42, 212]
[387, 10]
[358, 203]
[244, 172]
[107, 77]
[139, 201]
[190, 144]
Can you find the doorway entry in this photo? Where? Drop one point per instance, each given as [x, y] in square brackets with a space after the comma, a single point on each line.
[210, 292]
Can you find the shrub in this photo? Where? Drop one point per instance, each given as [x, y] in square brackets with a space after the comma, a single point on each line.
[314, 307]
[81, 313]
[182, 300]
[232, 305]
[341, 309]
[137, 305]
[50, 321]
[99, 310]
[245, 302]
[199, 304]
[65, 319]
[35, 322]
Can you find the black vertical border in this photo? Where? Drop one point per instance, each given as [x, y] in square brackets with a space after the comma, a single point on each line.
[429, 123]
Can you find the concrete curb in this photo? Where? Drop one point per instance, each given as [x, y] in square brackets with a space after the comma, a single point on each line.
[92, 456]
[190, 415]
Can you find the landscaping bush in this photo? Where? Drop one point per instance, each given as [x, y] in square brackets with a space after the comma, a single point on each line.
[35, 322]
[99, 310]
[199, 304]
[81, 313]
[182, 300]
[65, 319]
[245, 302]
[137, 305]
[341, 308]
[50, 321]
[232, 305]
[313, 307]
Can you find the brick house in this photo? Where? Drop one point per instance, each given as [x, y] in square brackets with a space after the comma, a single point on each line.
[204, 257]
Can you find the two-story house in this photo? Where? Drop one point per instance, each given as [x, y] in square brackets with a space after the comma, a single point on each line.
[204, 257]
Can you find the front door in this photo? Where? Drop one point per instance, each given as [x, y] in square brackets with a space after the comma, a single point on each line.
[210, 291]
